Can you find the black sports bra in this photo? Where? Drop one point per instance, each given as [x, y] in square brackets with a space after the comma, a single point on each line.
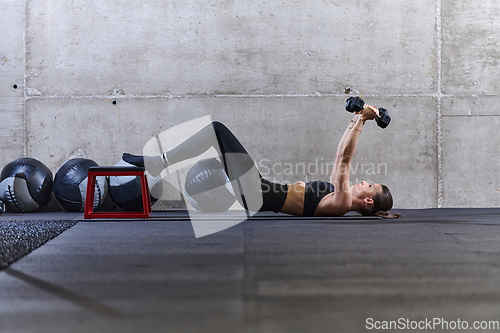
[315, 191]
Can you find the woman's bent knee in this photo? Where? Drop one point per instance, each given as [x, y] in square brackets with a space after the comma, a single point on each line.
[218, 126]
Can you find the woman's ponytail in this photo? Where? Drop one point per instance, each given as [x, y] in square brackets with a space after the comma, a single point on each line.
[387, 215]
[382, 204]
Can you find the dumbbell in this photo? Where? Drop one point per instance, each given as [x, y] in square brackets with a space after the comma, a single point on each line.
[356, 104]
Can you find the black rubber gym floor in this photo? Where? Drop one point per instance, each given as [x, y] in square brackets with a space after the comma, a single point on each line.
[439, 266]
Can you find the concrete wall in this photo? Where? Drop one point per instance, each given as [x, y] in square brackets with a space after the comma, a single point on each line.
[276, 73]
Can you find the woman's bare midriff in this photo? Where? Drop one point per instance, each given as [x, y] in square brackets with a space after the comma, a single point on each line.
[294, 203]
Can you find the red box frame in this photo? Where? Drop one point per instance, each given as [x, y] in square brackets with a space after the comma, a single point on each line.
[94, 172]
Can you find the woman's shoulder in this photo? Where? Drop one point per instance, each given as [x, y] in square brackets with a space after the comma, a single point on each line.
[331, 207]
[320, 186]
[334, 204]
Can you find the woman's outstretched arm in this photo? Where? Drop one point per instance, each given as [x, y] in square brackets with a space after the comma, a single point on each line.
[357, 117]
[345, 152]
[341, 144]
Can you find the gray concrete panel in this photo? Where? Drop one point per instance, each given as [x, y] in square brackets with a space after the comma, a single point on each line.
[470, 47]
[12, 69]
[290, 139]
[238, 47]
[97, 128]
[12, 49]
[471, 106]
[471, 158]
[11, 129]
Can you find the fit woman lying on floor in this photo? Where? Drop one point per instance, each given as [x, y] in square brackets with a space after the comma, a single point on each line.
[317, 198]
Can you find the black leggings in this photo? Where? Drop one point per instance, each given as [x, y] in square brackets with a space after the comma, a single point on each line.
[227, 146]
[236, 162]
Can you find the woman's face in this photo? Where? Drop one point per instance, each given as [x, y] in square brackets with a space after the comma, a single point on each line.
[365, 190]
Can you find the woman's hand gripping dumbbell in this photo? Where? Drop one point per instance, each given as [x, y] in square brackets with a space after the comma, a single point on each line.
[356, 104]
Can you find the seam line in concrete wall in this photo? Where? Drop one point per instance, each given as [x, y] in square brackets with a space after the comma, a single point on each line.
[438, 95]
[470, 116]
[25, 80]
[439, 104]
